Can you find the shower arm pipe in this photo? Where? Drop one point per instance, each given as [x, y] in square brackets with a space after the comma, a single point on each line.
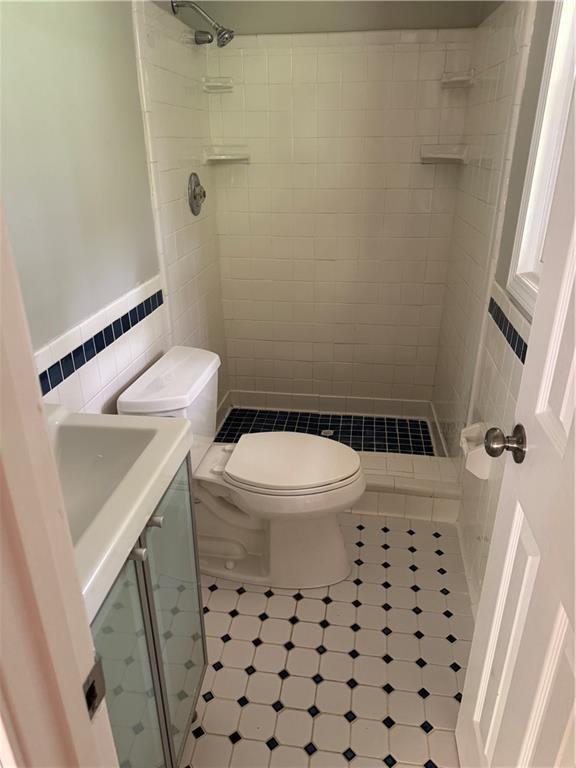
[176, 4]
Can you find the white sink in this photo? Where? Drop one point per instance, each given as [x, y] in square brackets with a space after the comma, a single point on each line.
[113, 472]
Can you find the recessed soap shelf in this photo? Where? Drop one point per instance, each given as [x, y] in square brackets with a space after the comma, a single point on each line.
[230, 153]
[217, 84]
[458, 79]
[444, 153]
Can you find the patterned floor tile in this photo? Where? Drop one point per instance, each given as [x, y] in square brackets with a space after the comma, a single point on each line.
[366, 672]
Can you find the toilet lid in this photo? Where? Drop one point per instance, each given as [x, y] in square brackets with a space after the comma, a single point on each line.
[290, 461]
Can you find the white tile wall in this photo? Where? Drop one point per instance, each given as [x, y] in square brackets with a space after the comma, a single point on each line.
[95, 387]
[495, 404]
[469, 337]
[177, 127]
[334, 239]
[500, 54]
[421, 487]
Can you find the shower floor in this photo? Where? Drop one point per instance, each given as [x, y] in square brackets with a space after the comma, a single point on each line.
[368, 672]
[389, 434]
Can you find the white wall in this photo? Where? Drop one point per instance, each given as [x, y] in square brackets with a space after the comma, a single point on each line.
[77, 198]
[74, 182]
[334, 239]
[177, 127]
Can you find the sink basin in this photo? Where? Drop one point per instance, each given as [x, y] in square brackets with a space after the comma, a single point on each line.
[113, 472]
[93, 461]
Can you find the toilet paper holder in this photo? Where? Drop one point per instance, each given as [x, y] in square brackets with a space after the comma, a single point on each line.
[476, 460]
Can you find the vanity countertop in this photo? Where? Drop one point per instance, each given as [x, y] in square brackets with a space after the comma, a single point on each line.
[113, 472]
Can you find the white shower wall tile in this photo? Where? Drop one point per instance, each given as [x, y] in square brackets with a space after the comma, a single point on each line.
[176, 123]
[334, 240]
[499, 58]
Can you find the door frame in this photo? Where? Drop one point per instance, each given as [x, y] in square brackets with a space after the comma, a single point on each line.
[45, 640]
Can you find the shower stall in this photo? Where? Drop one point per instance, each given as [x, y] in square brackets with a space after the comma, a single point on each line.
[363, 166]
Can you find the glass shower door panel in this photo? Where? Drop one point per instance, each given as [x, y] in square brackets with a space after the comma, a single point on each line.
[118, 632]
[176, 598]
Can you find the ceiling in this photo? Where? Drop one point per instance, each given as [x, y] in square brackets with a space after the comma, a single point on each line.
[280, 17]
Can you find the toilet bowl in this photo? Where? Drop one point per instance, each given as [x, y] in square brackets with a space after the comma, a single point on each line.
[267, 509]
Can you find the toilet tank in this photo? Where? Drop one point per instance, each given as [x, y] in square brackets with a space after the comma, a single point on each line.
[182, 384]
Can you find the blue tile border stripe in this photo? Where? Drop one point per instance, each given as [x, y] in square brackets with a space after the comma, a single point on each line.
[74, 360]
[515, 341]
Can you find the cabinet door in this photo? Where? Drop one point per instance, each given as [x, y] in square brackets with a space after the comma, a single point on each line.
[119, 638]
[174, 579]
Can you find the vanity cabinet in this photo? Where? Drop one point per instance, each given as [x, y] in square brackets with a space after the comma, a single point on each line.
[150, 635]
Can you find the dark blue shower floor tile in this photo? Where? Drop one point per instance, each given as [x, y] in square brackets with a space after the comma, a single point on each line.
[363, 433]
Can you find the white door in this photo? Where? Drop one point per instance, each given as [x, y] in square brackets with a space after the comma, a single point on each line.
[46, 650]
[518, 702]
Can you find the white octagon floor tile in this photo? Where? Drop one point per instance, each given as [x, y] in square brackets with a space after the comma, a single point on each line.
[336, 666]
[409, 744]
[369, 738]
[229, 683]
[288, 757]
[263, 687]
[212, 752]
[294, 727]
[298, 692]
[331, 733]
[257, 721]
[249, 754]
[333, 698]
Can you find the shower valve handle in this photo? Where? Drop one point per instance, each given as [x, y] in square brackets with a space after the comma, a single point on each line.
[196, 194]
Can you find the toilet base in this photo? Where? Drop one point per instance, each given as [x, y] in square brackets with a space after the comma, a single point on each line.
[288, 554]
[308, 553]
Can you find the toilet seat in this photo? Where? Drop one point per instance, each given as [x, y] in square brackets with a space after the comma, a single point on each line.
[290, 463]
[289, 491]
[257, 491]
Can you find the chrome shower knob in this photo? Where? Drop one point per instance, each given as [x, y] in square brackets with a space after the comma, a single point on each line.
[496, 442]
[196, 194]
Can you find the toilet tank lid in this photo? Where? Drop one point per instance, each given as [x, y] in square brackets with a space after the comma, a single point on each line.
[172, 382]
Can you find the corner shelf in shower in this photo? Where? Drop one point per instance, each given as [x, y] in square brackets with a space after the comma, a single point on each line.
[217, 84]
[456, 154]
[231, 153]
[457, 79]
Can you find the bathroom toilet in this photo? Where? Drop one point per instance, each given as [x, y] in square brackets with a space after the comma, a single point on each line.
[276, 495]
[267, 507]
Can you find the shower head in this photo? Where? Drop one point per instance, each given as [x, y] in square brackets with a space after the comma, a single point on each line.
[223, 35]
